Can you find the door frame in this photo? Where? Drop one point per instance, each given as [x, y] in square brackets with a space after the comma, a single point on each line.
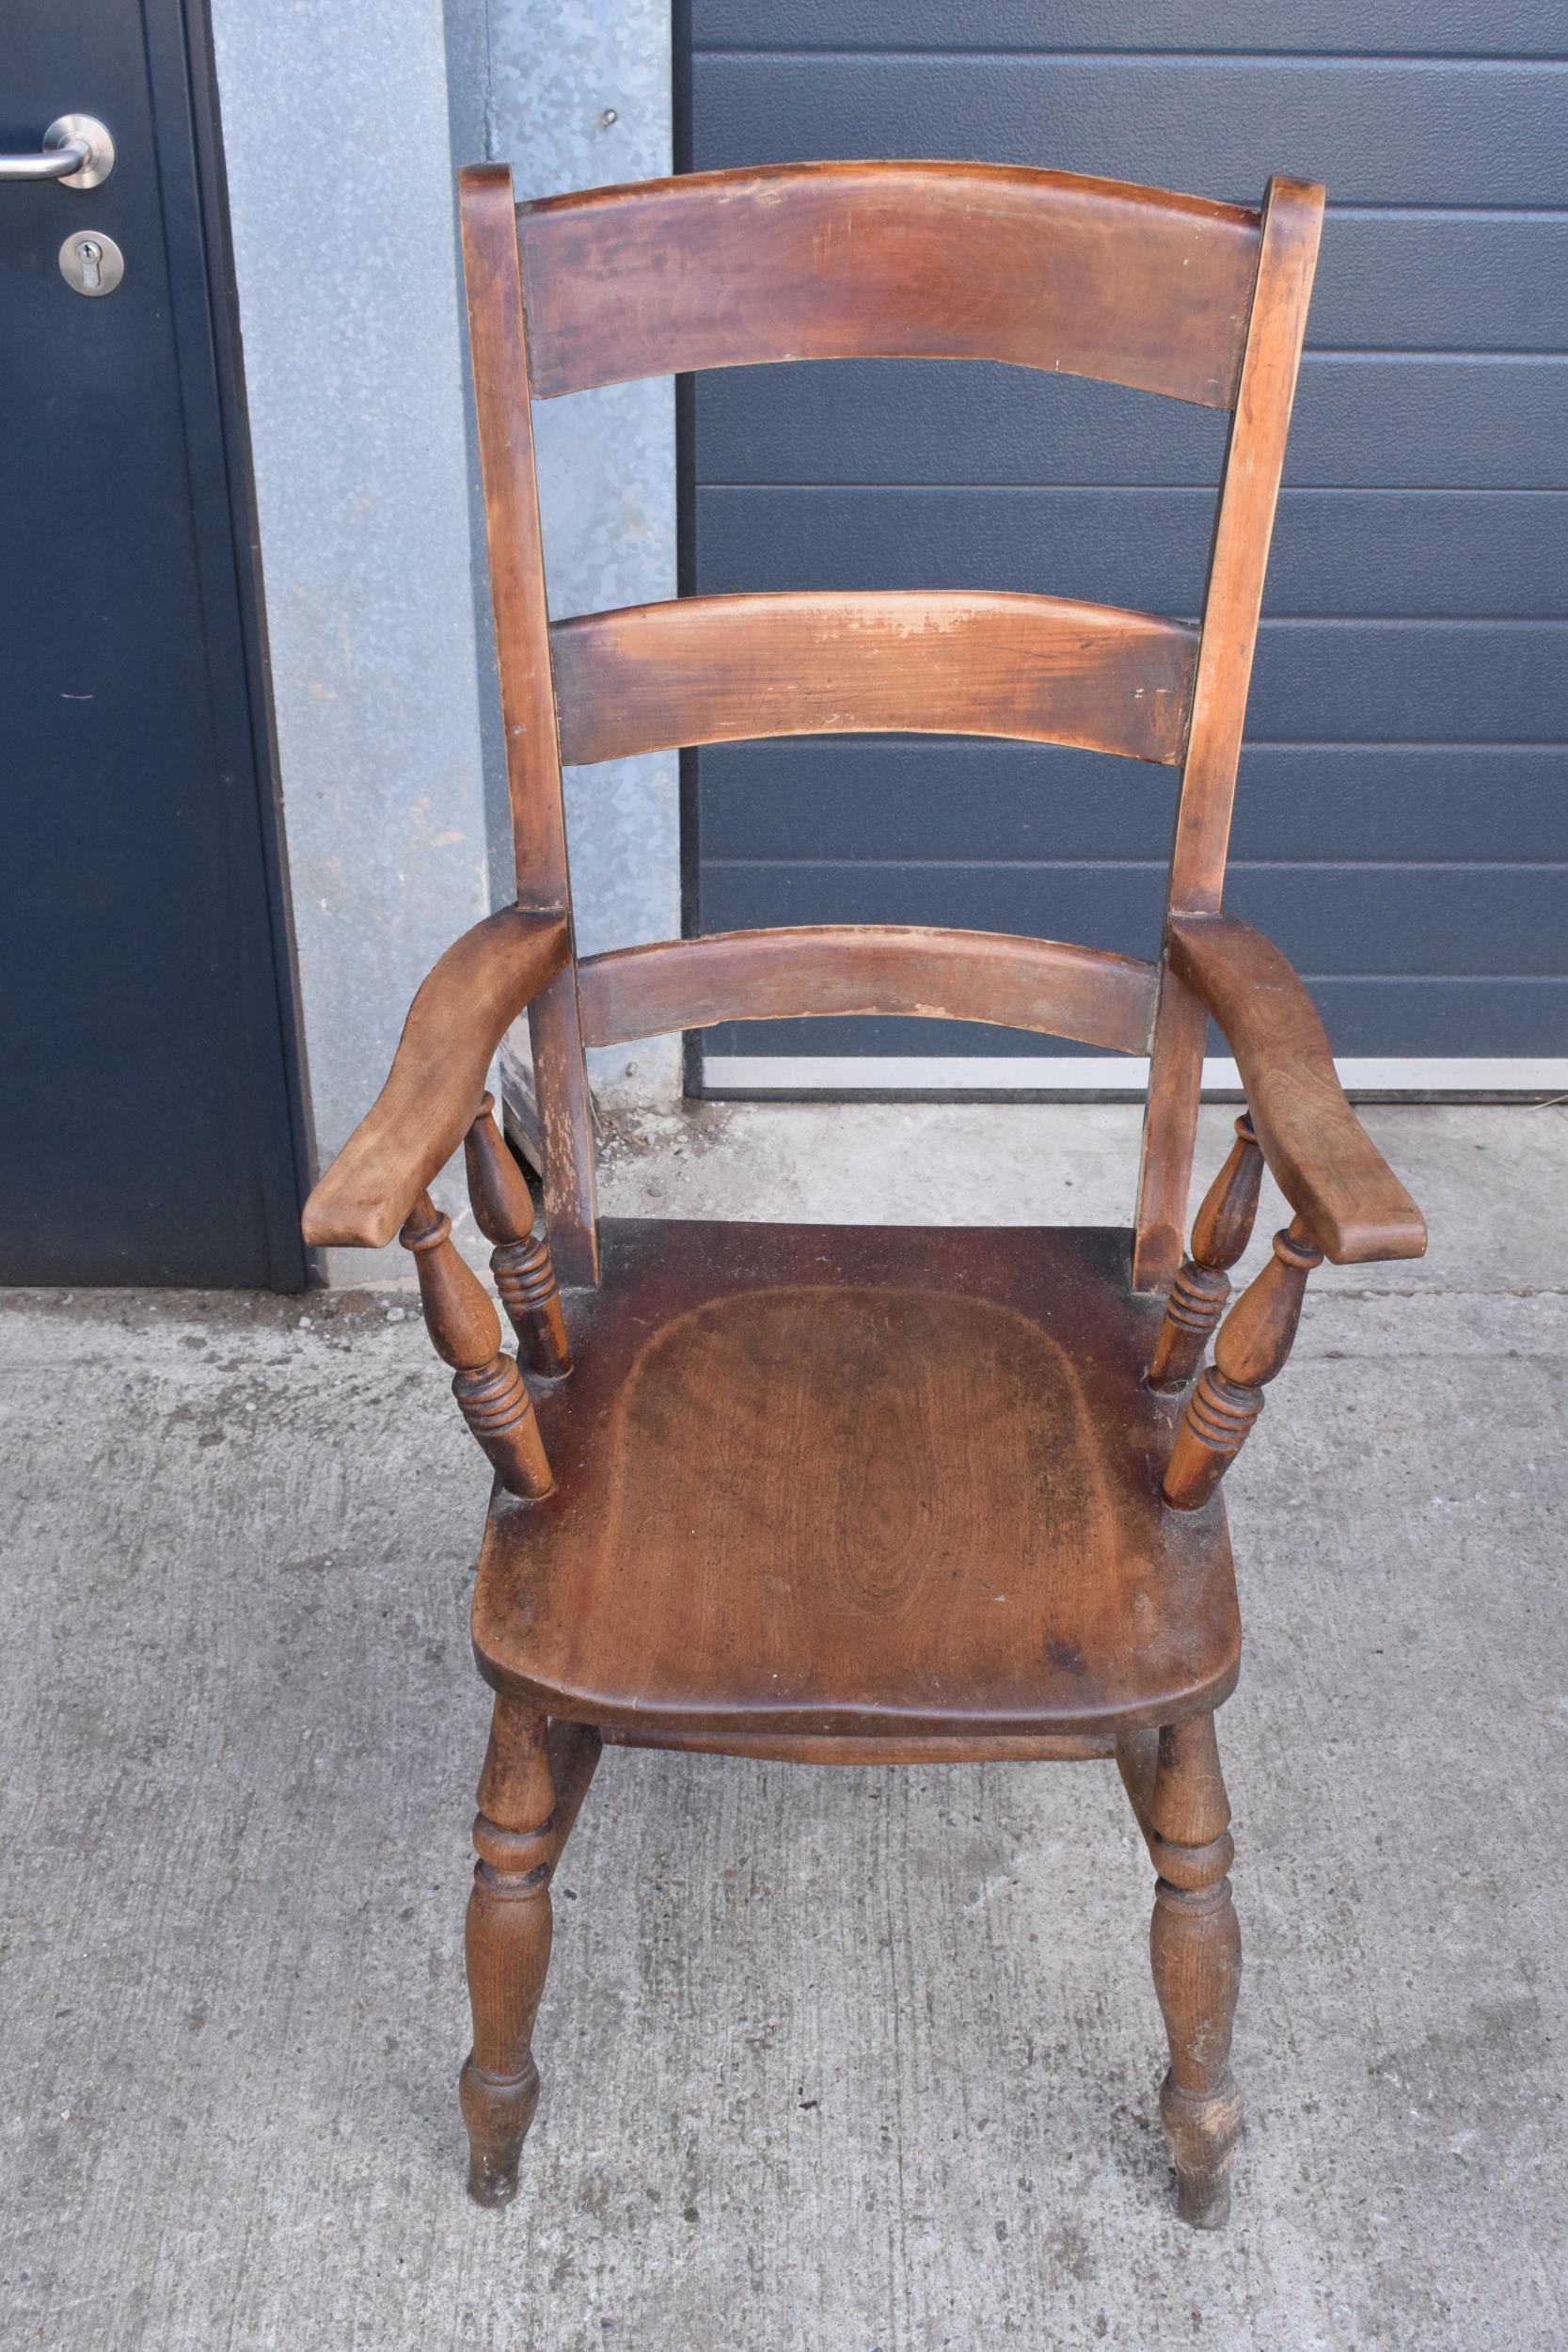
[205, 306]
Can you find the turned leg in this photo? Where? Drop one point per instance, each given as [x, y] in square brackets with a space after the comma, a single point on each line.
[508, 1946]
[1196, 1949]
[1137, 1761]
[532, 1783]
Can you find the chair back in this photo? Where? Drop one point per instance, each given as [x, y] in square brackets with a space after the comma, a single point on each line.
[1169, 294]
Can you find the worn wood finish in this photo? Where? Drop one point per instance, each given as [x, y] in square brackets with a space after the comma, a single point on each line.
[845, 1496]
[1046, 1748]
[455, 1024]
[535, 1778]
[466, 1332]
[1291, 224]
[837, 261]
[1291, 227]
[520, 1262]
[1177, 1794]
[497, 342]
[840, 1482]
[1081, 993]
[716, 669]
[1320, 1156]
[1137, 1754]
[1169, 1133]
[1221, 1231]
[1254, 1341]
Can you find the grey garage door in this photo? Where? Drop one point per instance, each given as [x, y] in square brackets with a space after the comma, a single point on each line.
[1403, 819]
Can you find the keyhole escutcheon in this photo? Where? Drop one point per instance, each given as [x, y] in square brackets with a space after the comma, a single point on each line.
[91, 263]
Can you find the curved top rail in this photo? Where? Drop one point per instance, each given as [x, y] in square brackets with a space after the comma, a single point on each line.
[883, 661]
[835, 260]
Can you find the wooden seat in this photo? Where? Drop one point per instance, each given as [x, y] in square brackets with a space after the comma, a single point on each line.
[857, 1495]
[858, 1482]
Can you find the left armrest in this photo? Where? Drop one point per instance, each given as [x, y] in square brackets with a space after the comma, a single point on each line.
[1322, 1157]
[464, 1009]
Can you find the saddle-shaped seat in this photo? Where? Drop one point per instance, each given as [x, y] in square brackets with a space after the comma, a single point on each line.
[818, 1483]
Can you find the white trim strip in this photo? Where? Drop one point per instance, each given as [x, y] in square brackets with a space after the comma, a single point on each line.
[1094, 1074]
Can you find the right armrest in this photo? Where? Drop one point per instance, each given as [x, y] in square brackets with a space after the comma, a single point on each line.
[463, 1011]
[1322, 1157]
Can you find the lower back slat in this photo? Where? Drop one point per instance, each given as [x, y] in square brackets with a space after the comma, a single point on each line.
[1085, 994]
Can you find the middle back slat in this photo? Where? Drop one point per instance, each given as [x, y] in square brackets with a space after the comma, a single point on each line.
[906, 260]
[722, 669]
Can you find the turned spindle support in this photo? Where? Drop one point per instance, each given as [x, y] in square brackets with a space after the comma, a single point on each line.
[525, 1276]
[1179, 1796]
[466, 1332]
[1253, 1344]
[1220, 1231]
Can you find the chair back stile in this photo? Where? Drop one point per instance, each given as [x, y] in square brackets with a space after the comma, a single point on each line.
[1291, 223]
[498, 339]
[1199, 302]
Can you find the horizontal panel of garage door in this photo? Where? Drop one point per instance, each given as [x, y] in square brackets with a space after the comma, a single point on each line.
[1401, 822]
[1417, 420]
[1381, 554]
[1383, 131]
[1466, 27]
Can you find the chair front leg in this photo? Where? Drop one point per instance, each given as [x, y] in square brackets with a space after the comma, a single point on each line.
[534, 1781]
[1196, 1951]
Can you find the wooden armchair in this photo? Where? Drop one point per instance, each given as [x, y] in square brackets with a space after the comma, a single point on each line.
[860, 1495]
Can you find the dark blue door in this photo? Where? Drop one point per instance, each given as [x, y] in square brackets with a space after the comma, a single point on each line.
[149, 1116]
[1402, 818]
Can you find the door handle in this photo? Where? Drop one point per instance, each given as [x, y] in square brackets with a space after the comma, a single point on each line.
[77, 152]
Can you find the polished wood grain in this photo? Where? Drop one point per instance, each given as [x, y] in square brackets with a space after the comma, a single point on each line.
[466, 1332]
[498, 344]
[1249, 492]
[1221, 1231]
[1320, 1156]
[520, 1260]
[836, 261]
[1085, 994]
[715, 669]
[847, 1481]
[1254, 1341]
[418, 1119]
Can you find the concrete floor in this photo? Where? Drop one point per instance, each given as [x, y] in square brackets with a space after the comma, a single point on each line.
[848, 2063]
